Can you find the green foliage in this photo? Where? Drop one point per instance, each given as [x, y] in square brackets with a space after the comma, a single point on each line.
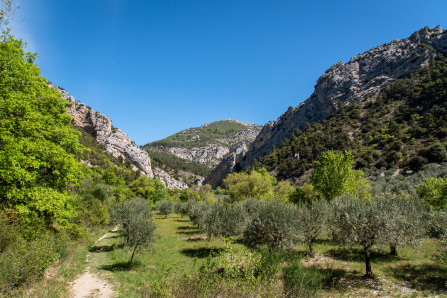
[285, 192]
[24, 258]
[358, 222]
[148, 189]
[406, 120]
[38, 143]
[312, 219]
[434, 192]
[300, 281]
[135, 218]
[272, 225]
[181, 208]
[224, 220]
[333, 176]
[403, 220]
[165, 207]
[256, 184]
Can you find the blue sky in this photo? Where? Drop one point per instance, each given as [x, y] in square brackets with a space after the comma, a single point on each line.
[156, 67]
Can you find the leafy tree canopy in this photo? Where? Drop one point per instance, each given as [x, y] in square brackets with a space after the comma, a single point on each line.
[333, 175]
[256, 184]
[37, 142]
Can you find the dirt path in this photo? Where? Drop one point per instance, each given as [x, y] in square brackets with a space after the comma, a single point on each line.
[90, 284]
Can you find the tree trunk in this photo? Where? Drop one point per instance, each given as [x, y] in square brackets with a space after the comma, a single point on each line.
[368, 273]
[393, 251]
[131, 258]
[311, 249]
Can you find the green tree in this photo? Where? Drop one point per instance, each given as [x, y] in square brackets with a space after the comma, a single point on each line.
[145, 187]
[135, 217]
[403, 221]
[256, 184]
[434, 192]
[333, 176]
[312, 218]
[358, 222]
[165, 207]
[272, 224]
[38, 142]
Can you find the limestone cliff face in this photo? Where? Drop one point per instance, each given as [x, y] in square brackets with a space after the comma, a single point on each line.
[168, 181]
[114, 140]
[363, 76]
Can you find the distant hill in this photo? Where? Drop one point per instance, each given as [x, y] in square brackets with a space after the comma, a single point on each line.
[190, 155]
[357, 100]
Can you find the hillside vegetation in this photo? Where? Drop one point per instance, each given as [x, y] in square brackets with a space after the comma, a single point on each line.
[192, 154]
[221, 132]
[405, 126]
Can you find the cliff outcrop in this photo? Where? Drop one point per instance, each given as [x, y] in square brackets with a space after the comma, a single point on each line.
[362, 77]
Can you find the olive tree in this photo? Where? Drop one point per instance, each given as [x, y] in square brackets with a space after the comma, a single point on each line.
[273, 225]
[224, 220]
[181, 208]
[312, 219]
[197, 213]
[135, 219]
[357, 222]
[165, 207]
[403, 220]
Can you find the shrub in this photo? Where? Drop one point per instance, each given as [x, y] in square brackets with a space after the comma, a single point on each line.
[417, 163]
[434, 192]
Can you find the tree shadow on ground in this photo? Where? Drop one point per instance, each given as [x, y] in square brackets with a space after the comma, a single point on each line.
[201, 253]
[357, 255]
[182, 220]
[121, 266]
[104, 248]
[185, 230]
[430, 277]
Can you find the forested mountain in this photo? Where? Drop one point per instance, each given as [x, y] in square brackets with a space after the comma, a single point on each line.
[192, 153]
[365, 83]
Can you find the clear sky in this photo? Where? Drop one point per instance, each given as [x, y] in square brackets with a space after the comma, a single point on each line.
[156, 67]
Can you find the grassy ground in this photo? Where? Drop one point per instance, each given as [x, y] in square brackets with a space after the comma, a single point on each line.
[171, 253]
[176, 252]
[414, 273]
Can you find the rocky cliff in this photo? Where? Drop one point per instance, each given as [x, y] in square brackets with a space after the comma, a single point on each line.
[114, 140]
[363, 76]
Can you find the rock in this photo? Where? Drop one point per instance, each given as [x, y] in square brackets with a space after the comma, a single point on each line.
[168, 181]
[363, 76]
[115, 141]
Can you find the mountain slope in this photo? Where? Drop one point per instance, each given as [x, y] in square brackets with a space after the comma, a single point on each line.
[114, 140]
[361, 78]
[194, 152]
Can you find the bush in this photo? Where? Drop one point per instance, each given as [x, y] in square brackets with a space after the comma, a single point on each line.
[417, 163]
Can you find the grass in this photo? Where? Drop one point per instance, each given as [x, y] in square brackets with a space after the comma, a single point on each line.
[173, 267]
[172, 252]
